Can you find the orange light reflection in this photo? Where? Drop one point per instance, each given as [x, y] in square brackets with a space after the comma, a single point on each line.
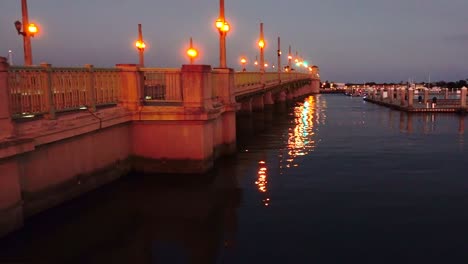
[262, 181]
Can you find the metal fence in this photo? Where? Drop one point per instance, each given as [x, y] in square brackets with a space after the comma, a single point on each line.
[162, 85]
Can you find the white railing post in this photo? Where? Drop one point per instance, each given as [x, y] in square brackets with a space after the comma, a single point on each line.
[463, 97]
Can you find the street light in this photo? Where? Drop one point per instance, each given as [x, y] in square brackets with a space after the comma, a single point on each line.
[261, 45]
[140, 45]
[223, 28]
[27, 30]
[243, 62]
[192, 52]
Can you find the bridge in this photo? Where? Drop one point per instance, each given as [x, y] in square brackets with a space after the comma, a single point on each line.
[65, 131]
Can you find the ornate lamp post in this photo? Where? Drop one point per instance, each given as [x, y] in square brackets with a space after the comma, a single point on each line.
[27, 30]
[289, 58]
[192, 52]
[243, 62]
[140, 45]
[279, 59]
[223, 27]
[261, 45]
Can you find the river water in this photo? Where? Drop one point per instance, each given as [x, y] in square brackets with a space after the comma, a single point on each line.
[328, 179]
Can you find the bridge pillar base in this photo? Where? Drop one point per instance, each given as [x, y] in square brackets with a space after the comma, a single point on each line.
[258, 103]
[246, 106]
[268, 98]
[11, 209]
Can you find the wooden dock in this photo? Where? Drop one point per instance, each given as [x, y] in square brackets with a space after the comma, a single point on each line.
[442, 106]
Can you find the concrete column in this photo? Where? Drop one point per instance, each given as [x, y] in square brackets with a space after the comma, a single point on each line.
[390, 95]
[402, 96]
[410, 97]
[246, 106]
[268, 99]
[225, 85]
[381, 95]
[426, 96]
[196, 86]
[132, 83]
[6, 125]
[463, 97]
[290, 95]
[315, 86]
[11, 209]
[258, 103]
[281, 97]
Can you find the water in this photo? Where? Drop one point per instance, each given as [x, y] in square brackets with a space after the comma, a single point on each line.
[331, 179]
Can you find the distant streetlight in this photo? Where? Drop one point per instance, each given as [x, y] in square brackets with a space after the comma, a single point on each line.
[223, 27]
[27, 30]
[243, 62]
[140, 45]
[192, 52]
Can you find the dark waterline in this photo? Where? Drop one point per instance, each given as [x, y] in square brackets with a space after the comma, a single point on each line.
[330, 179]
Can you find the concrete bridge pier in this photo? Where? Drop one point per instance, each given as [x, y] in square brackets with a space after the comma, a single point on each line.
[315, 85]
[390, 95]
[463, 97]
[402, 97]
[269, 105]
[290, 95]
[280, 99]
[258, 103]
[245, 106]
[426, 96]
[187, 141]
[410, 97]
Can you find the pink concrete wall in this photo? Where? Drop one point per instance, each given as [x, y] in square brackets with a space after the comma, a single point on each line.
[192, 140]
[11, 215]
[62, 161]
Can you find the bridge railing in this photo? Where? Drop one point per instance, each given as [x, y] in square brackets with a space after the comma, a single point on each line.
[247, 79]
[162, 85]
[47, 90]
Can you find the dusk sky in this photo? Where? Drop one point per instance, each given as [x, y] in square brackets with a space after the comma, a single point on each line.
[350, 40]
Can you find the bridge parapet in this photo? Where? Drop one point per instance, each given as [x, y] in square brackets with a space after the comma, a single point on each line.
[45, 90]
